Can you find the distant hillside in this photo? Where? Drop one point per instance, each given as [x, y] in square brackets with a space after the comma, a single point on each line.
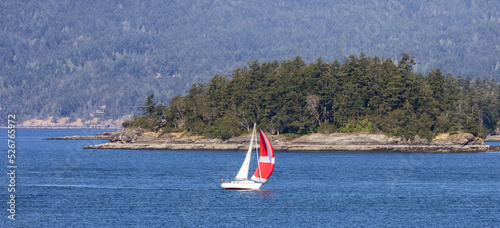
[70, 58]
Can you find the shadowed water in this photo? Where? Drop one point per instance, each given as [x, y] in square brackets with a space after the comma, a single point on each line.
[62, 185]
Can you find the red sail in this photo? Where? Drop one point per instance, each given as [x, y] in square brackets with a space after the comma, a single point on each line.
[266, 160]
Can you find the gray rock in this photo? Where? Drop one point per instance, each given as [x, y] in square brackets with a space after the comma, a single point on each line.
[126, 135]
[138, 140]
[419, 141]
[348, 139]
[492, 138]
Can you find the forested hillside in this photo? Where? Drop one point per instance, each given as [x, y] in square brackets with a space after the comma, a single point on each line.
[363, 94]
[66, 58]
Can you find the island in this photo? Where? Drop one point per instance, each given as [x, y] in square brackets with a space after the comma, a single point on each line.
[365, 104]
[139, 139]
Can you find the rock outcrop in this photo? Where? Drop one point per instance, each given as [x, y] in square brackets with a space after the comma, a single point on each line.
[348, 139]
[459, 138]
[99, 136]
[492, 138]
[337, 142]
[138, 139]
[301, 147]
[130, 136]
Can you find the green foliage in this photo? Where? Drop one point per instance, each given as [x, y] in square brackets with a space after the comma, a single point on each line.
[166, 130]
[225, 128]
[127, 124]
[425, 126]
[149, 108]
[363, 94]
[356, 126]
[327, 128]
[152, 117]
[139, 122]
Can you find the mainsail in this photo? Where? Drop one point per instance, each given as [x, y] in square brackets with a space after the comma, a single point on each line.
[266, 160]
[243, 173]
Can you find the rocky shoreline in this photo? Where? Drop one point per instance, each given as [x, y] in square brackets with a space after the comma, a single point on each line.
[137, 139]
[303, 148]
[493, 138]
[99, 136]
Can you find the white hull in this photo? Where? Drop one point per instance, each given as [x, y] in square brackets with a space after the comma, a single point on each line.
[241, 185]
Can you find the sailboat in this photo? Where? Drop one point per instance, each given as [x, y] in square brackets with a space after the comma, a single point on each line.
[264, 168]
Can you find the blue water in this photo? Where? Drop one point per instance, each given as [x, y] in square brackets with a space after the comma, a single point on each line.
[59, 184]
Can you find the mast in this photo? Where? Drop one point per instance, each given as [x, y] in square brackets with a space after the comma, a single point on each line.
[258, 166]
[243, 173]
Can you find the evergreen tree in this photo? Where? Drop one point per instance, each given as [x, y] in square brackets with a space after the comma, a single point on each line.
[363, 94]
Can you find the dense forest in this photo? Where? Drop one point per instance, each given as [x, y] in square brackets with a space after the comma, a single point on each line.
[364, 94]
[66, 58]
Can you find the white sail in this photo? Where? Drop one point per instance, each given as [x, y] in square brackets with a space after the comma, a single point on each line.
[243, 173]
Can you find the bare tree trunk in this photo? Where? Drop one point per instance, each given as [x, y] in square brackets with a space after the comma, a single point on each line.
[312, 106]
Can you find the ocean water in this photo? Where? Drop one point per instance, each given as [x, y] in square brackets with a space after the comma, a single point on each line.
[59, 184]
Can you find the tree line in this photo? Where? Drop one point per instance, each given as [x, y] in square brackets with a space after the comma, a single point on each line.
[363, 94]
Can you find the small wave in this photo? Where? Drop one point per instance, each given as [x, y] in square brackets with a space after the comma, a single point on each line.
[97, 187]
